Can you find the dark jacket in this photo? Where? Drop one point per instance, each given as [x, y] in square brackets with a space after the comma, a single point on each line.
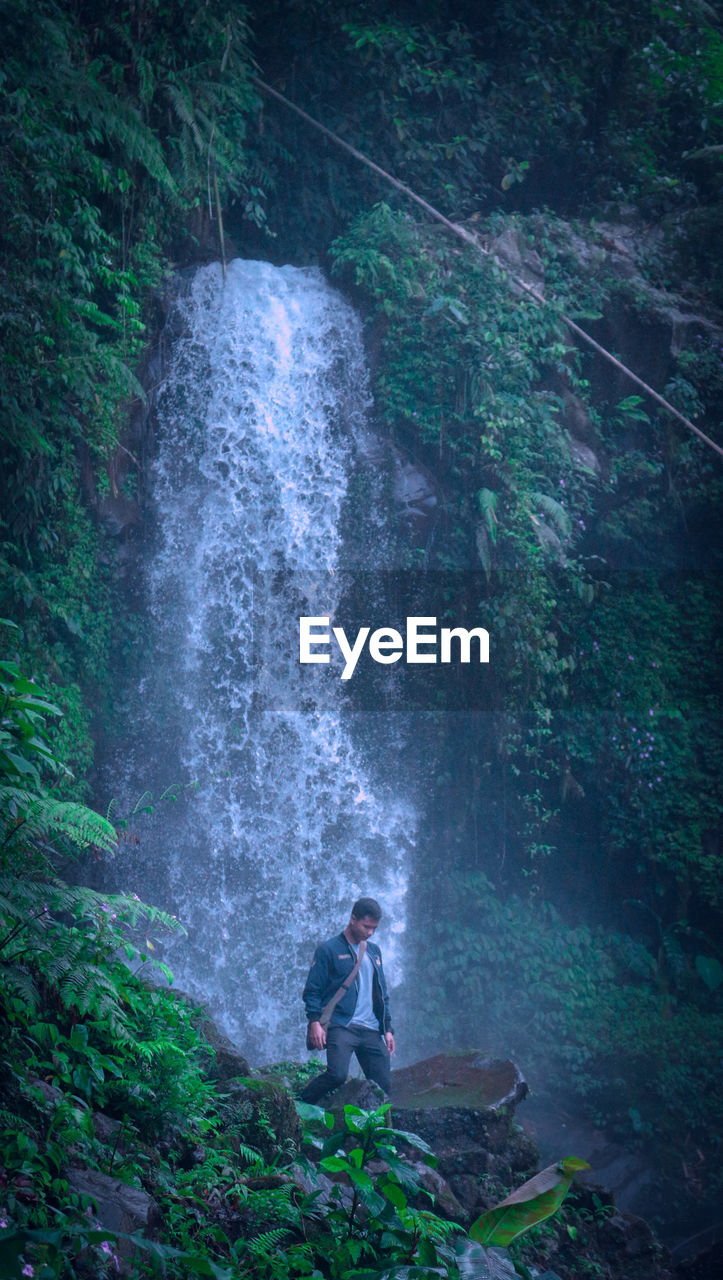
[333, 962]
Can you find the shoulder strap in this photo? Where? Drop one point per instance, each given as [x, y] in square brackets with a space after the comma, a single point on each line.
[329, 1007]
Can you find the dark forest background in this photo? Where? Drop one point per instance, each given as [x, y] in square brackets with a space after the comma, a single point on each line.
[568, 897]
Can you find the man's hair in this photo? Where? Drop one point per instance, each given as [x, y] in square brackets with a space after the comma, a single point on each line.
[366, 907]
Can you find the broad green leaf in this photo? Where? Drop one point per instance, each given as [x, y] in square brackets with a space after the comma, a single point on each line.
[483, 547]
[307, 1111]
[333, 1142]
[79, 1036]
[393, 1192]
[413, 1139]
[355, 1123]
[529, 1204]
[405, 1174]
[476, 1263]
[487, 502]
[710, 970]
[20, 765]
[335, 1164]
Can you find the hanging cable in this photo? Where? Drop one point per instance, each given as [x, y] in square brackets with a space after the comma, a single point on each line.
[471, 239]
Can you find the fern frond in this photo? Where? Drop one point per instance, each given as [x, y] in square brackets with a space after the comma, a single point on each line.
[118, 121]
[267, 1242]
[15, 981]
[554, 512]
[182, 104]
[42, 815]
[249, 1154]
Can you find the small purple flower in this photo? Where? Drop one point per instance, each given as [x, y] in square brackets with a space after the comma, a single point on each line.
[28, 1270]
[3, 1222]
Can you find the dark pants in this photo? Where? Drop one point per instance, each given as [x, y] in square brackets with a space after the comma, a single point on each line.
[341, 1042]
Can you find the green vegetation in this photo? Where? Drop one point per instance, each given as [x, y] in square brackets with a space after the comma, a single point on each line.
[112, 132]
[534, 1202]
[105, 1072]
[624, 1024]
[579, 822]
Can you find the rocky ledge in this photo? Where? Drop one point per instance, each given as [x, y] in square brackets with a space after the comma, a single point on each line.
[464, 1107]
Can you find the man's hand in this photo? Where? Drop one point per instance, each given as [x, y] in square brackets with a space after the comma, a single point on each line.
[389, 1040]
[317, 1035]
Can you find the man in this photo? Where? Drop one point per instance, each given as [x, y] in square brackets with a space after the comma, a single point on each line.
[360, 1022]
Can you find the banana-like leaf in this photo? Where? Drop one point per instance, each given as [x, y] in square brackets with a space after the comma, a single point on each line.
[529, 1204]
[483, 546]
[487, 500]
[710, 970]
[476, 1263]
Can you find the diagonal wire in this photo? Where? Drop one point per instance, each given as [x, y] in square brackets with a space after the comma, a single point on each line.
[470, 238]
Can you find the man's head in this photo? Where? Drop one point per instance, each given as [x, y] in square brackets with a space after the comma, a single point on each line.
[365, 916]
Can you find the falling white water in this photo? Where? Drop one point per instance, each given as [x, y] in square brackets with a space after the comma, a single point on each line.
[259, 423]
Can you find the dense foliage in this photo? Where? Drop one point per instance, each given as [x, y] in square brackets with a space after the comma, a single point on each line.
[118, 140]
[579, 821]
[596, 777]
[109, 1074]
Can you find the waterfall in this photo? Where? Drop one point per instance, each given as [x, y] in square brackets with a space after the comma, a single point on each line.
[278, 809]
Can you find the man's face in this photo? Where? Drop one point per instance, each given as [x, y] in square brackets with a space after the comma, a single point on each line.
[361, 928]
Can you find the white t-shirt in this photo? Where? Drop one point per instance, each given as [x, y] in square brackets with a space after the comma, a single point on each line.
[364, 1015]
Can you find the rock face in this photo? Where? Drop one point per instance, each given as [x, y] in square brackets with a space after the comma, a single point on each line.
[118, 1207]
[460, 1079]
[355, 1093]
[414, 491]
[463, 1105]
[464, 1098]
[228, 1061]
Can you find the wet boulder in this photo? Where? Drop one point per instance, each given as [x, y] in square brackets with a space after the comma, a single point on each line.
[453, 1100]
[358, 1092]
[229, 1061]
[119, 1208]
